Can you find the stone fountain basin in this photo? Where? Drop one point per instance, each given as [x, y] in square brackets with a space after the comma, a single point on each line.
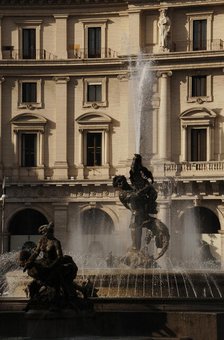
[139, 283]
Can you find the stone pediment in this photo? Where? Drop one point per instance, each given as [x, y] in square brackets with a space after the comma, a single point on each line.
[198, 113]
[28, 118]
[93, 121]
[93, 118]
[28, 121]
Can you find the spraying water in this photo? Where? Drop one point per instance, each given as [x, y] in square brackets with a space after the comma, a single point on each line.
[141, 96]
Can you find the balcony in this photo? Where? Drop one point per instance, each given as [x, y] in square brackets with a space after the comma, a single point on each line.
[83, 53]
[8, 52]
[190, 45]
[200, 169]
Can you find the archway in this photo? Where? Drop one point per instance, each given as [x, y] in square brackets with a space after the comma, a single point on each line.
[200, 239]
[97, 230]
[23, 227]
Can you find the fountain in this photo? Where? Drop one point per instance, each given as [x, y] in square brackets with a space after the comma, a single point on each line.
[136, 295]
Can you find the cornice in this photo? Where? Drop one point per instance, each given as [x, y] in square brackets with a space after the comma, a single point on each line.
[61, 3]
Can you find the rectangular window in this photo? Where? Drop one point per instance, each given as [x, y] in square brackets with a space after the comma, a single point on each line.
[94, 93]
[94, 42]
[198, 145]
[29, 43]
[28, 150]
[199, 35]
[29, 92]
[94, 149]
[199, 86]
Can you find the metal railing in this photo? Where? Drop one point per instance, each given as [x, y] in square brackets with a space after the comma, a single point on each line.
[83, 53]
[211, 166]
[8, 52]
[204, 45]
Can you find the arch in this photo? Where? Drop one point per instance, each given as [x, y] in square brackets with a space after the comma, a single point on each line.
[23, 227]
[96, 221]
[26, 222]
[203, 219]
[197, 243]
[112, 214]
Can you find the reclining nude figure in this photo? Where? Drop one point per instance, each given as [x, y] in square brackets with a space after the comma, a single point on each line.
[53, 273]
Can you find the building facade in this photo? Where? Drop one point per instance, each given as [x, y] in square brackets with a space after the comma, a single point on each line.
[67, 97]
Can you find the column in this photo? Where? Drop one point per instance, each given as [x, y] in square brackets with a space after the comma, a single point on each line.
[2, 79]
[61, 221]
[164, 213]
[61, 36]
[61, 165]
[164, 117]
[0, 37]
[184, 143]
[127, 126]
[80, 167]
[220, 210]
[106, 146]
[134, 32]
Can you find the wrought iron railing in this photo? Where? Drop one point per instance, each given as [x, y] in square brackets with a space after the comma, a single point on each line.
[191, 45]
[84, 53]
[8, 52]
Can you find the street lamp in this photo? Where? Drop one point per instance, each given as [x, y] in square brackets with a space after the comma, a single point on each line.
[2, 199]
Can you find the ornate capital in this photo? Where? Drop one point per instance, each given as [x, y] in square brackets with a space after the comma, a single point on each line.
[124, 77]
[61, 80]
[164, 74]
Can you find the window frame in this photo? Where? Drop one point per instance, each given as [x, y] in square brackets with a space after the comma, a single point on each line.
[94, 23]
[22, 154]
[86, 133]
[30, 105]
[30, 124]
[199, 99]
[95, 81]
[94, 123]
[194, 118]
[189, 142]
[191, 17]
[29, 24]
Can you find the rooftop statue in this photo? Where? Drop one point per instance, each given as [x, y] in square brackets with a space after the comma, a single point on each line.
[140, 198]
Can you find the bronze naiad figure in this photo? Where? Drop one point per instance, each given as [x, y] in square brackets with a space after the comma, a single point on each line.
[140, 198]
[54, 273]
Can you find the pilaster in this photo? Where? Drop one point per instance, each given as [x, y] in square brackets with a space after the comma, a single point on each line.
[61, 165]
[2, 79]
[134, 31]
[164, 117]
[60, 220]
[61, 36]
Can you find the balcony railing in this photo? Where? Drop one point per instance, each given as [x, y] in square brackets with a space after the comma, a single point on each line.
[208, 168]
[83, 53]
[8, 52]
[204, 45]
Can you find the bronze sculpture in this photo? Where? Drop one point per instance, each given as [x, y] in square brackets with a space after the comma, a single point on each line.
[140, 199]
[53, 274]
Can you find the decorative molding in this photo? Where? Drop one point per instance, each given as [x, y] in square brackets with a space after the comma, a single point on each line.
[61, 80]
